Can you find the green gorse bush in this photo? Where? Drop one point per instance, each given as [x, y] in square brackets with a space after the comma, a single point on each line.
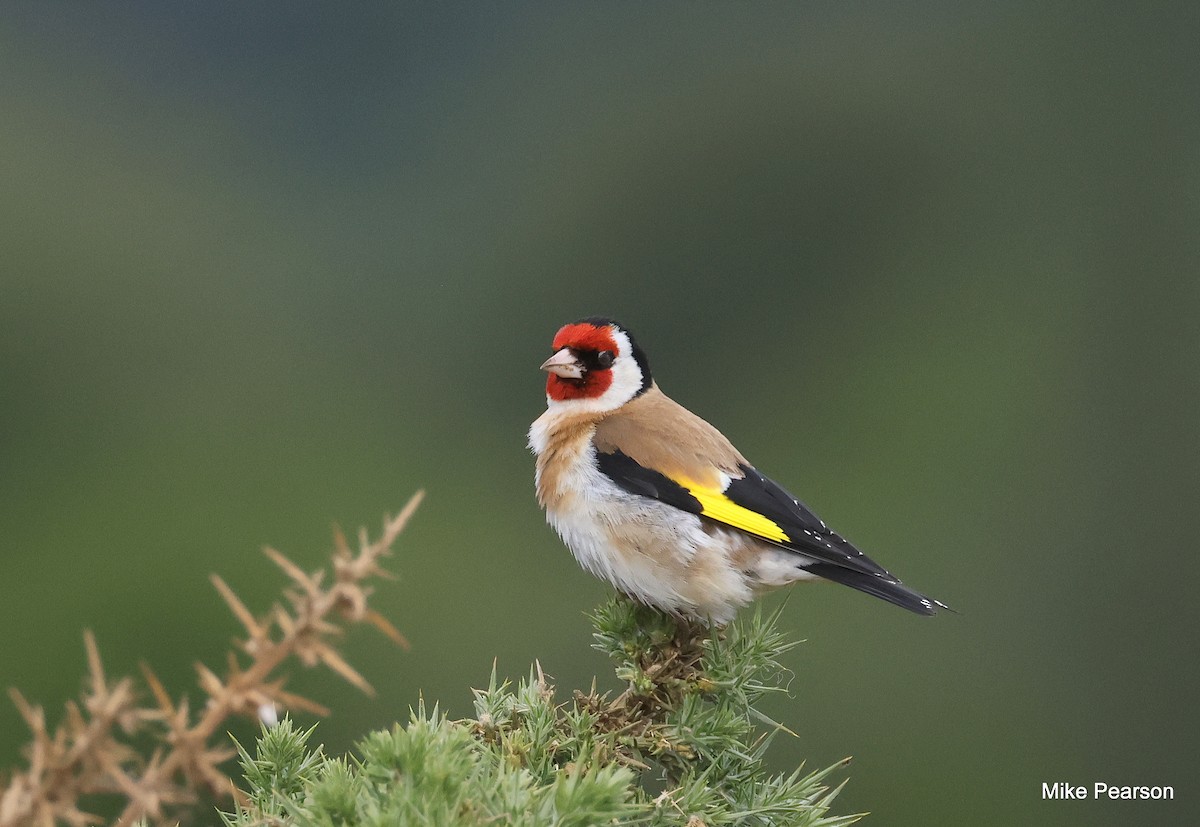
[682, 745]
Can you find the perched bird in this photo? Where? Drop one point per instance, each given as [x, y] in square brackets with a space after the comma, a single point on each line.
[656, 501]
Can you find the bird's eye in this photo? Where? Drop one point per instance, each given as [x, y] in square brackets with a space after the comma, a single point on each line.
[604, 358]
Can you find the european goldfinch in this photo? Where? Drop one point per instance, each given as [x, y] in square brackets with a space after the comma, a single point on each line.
[656, 501]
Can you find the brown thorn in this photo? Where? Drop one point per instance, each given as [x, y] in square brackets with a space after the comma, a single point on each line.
[334, 661]
[379, 571]
[340, 546]
[75, 718]
[208, 680]
[290, 569]
[33, 715]
[159, 691]
[395, 526]
[293, 701]
[382, 624]
[284, 620]
[94, 665]
[237, 607]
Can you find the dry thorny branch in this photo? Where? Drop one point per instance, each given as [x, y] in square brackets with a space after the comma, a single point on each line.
[91, 752]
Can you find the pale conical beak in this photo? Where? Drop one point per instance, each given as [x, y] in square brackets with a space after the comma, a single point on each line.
[564, 364]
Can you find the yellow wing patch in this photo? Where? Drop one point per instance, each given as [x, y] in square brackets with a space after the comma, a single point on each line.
[715, 505]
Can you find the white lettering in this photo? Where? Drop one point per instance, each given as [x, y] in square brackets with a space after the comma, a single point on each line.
[1116, 793]
[1061, 790]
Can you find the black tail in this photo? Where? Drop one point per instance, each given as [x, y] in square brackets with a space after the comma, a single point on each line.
[887, 588]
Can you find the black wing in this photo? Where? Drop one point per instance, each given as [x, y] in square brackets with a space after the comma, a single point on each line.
[759, 506]
[837, 559]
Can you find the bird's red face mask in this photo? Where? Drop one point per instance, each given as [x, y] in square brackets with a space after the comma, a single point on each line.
[581, 367]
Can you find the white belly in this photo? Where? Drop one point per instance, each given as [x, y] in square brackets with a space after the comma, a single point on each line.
[647, 549]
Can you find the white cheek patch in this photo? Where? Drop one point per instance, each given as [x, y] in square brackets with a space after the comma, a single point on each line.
[627, 376]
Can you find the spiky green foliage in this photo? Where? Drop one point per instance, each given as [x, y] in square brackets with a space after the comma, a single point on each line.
[681, 745]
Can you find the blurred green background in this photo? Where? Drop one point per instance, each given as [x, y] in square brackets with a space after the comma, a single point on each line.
[934, 266]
